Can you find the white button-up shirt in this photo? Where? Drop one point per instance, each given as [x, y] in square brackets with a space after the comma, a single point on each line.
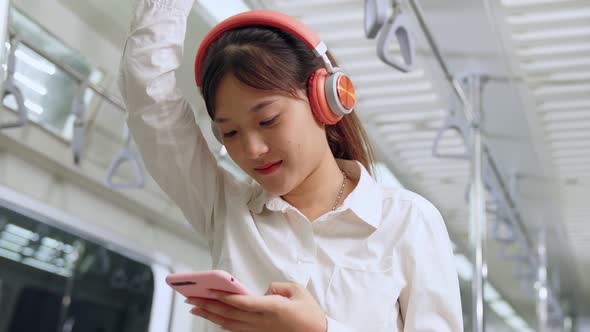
[382, 261]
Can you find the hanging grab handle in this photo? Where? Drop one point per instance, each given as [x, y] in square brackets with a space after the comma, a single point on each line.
[452, 122]
[126, 155]
[375, 17]
[397, 28]
[10, 88]
[78, 111]
[449, 125]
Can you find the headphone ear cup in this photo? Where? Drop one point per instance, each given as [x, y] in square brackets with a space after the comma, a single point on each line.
[216, 132]
[316, 93]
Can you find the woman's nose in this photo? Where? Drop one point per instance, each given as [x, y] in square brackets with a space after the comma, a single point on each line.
[254, 146]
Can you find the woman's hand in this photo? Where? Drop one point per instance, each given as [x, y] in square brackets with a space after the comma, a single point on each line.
[285, 307]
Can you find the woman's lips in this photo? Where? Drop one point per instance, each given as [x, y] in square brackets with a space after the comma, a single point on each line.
[269, 168]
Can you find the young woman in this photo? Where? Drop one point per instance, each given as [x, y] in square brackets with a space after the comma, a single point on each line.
[328, 247]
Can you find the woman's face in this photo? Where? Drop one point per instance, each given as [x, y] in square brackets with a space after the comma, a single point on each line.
[272, 136]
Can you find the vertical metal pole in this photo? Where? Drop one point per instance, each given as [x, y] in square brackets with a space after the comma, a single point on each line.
[541, 286]
[3, 223]
[4, 5]
[477, 212]
[1, 294]
[63, 325]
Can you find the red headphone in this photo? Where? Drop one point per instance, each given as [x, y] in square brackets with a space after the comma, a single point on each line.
[330, 90]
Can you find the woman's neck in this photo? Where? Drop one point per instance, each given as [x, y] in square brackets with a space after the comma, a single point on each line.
[318, 193]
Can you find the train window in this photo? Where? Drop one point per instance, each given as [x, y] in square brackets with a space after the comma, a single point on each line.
[47, 89]
[52, 280]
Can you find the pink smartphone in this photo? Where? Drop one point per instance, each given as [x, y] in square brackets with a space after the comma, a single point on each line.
[198, 284]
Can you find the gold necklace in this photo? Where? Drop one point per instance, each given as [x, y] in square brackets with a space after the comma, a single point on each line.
[341, 191]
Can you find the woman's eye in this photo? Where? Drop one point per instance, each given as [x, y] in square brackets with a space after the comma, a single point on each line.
[229, 134]
[268, 122]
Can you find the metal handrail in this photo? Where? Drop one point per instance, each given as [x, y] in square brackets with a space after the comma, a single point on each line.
[79, 111]
[471, 118]
[73, 73]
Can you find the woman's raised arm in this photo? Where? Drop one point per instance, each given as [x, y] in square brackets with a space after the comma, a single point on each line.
[160, 118]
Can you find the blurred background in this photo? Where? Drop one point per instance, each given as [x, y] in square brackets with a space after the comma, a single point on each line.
[483, 108]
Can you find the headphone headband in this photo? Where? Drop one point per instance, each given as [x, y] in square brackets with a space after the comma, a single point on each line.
[262, 18]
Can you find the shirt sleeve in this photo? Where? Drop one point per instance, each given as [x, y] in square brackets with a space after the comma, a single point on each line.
[335, 326]
[431, 300]
[160, 119]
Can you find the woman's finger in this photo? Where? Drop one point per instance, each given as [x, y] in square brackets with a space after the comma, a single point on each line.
[225, 310]
[219, 320]
[251, 303]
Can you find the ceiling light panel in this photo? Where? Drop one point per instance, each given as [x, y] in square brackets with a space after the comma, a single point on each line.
[549, 17]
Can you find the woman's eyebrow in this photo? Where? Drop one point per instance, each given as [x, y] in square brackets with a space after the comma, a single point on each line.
[254, 108]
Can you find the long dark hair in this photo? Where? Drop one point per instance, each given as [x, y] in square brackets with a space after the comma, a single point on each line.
[270, 59]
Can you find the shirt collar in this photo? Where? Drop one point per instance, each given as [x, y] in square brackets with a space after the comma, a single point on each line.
[365, 200]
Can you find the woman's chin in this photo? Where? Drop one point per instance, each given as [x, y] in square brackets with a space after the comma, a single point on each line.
[275, 189]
